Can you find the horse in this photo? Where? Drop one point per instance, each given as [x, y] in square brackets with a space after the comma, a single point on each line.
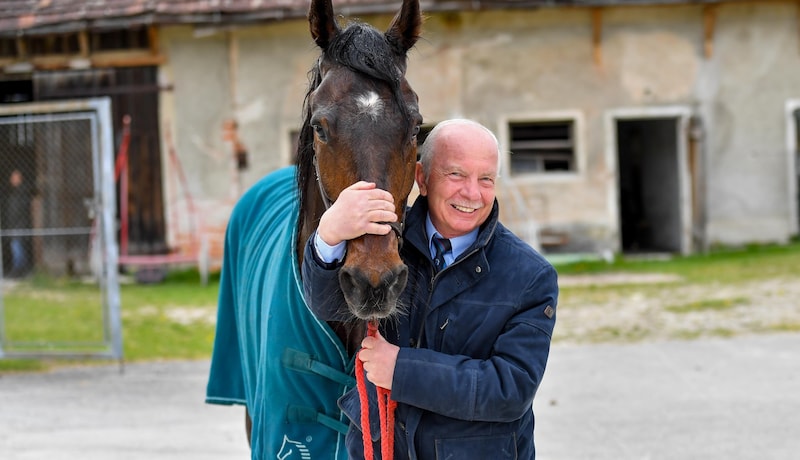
[360, 122]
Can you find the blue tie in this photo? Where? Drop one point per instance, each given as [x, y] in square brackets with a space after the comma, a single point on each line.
[441, 246]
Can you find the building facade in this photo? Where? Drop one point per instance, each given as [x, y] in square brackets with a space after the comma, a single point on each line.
[626, 126]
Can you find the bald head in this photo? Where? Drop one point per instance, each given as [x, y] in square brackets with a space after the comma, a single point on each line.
[455, 132]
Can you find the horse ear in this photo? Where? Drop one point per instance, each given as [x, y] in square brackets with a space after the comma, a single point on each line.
[322, 22]
[405, 29]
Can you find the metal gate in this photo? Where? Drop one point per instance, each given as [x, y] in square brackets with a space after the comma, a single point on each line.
[60, 292]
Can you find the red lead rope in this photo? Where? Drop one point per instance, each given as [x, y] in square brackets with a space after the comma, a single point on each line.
[386, 408]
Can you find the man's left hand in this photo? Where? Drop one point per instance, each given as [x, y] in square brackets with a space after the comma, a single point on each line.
[379, 358]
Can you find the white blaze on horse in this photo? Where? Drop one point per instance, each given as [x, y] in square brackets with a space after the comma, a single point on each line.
[361, 118]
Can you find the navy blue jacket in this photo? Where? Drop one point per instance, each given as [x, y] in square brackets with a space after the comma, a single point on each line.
[474, 343]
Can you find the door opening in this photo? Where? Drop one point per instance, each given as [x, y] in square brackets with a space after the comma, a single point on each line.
[649, 185]
[797, 164]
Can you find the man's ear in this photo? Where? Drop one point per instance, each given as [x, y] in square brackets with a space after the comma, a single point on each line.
[419, 176]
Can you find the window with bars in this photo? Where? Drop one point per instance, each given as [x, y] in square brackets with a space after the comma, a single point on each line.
[542, 146]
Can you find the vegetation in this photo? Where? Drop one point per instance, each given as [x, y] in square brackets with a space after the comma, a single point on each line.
[729, 291]
[173, 319]
[720, 265]
[700, 295]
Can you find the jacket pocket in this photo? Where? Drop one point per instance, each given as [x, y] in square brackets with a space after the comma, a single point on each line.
[496, 447]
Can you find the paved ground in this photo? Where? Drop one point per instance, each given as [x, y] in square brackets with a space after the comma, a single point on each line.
[706, 399]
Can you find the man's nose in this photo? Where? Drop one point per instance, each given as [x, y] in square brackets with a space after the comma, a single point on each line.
[472, 189]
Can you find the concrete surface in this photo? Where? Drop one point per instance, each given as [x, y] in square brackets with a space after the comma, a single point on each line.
[706, 399]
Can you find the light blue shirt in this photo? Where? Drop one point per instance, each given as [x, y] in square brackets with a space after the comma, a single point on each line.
[459, 244]
[328, 253]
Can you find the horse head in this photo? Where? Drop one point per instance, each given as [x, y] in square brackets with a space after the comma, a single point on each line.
[361, 123]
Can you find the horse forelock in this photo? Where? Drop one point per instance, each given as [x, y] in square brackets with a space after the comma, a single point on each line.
[363, 48]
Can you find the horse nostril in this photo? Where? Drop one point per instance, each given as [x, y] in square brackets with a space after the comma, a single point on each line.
[400, 280]
[369, 301]
[346, 281]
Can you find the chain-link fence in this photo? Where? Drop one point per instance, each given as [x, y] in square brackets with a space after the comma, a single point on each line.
[56, 229]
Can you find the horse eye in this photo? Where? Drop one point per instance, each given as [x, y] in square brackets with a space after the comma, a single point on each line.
[320, 133]
[416, 130]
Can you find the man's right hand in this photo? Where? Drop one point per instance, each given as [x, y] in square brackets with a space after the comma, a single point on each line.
[357, 211]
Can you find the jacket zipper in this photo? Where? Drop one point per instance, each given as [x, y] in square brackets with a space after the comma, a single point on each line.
[430, 295]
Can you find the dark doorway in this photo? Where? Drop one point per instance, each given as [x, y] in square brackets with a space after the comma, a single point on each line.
[12, 91]
[649, 185]
[797, 163]
[133, 91]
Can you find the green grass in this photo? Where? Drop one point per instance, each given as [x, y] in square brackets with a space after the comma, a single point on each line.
[157, 320]
[723, 265]
[169, 320]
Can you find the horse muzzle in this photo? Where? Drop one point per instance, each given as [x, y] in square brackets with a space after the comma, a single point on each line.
[373, 277]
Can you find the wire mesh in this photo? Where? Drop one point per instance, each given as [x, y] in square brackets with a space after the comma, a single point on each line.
[56, 298]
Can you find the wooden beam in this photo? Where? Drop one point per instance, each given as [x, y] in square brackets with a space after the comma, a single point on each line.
[597, 36]
[104, 59]
[153, 38]
[83, 43]
[709, 22]
[22, 48]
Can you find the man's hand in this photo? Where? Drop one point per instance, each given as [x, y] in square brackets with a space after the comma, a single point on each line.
[357, 211]
[379, 358]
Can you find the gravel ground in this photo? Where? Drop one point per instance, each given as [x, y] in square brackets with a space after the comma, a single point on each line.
[636, 307]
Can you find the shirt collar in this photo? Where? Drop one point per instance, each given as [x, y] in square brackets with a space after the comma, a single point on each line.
[459, 244]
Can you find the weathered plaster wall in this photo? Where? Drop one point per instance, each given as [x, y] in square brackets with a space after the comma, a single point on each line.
[255, 76]
[499, 65]
[756, 64]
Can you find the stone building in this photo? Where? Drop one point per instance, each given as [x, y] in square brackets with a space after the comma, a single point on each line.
[627, 126]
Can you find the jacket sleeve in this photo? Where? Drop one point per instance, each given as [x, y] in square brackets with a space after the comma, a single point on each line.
[498, 389]
[321, 286]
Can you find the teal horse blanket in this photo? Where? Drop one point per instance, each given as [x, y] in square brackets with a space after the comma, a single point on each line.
[270, 352]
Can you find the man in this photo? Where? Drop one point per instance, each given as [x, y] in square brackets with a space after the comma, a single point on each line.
[18, 218]
[465, 359]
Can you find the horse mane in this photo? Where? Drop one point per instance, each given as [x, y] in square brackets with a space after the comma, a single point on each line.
[361, 48]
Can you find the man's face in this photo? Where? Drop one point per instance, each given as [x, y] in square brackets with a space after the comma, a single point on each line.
[461, 185]
[16, 178]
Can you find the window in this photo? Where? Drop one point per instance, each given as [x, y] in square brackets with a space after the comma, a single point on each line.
[542, 146]
[424, 130]
[53, 44]
[135, 38]
[294, 140]
[8, 47]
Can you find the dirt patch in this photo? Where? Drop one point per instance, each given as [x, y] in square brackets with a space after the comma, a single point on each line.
[181, 315]
[607, 279]
[638, 307]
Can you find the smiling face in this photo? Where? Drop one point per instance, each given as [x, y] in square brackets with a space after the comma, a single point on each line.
[460, 185]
